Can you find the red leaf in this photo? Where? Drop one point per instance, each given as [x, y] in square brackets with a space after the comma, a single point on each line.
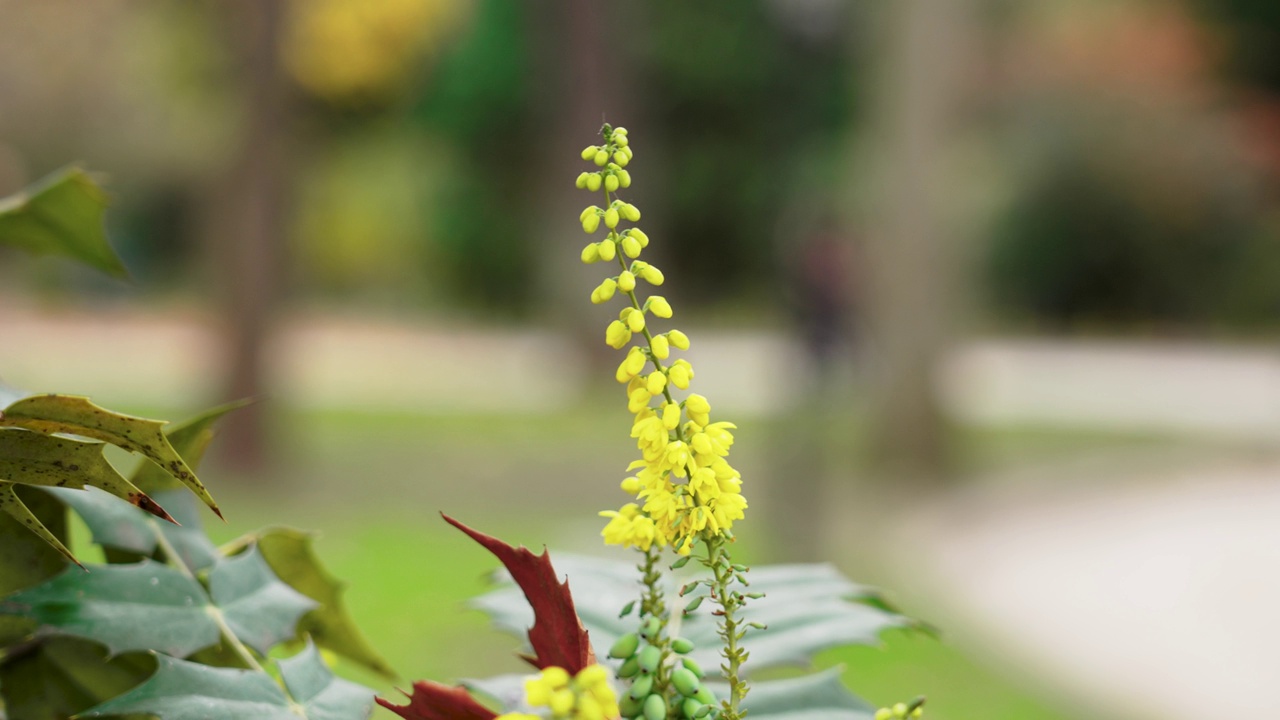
[557, 636]
[433, 701]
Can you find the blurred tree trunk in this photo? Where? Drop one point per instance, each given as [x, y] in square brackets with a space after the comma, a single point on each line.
[913, 283]
[248, 221]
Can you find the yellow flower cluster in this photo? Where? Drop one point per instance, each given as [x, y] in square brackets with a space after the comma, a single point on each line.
[586, 696]
[684, 486]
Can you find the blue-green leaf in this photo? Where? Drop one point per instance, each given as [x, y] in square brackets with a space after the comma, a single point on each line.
[323, 696]
[259, 608]
[181, 690]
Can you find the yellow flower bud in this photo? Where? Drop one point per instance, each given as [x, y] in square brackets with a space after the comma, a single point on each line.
[628, 151]
[624, 178]
[630, 212]
[602, 157]
[638, 399]
[630, 247]
[611, 217]
[605, 291]
[581, 182]
[633, 318]
[884, 714]
[635, 362]
[590, 253]
[608, 250]
[611, 183]
[589, 152]
[590, 223]
[626, 281]
[661, 348]
[639, 235]
[681, 373]
[900, 710]
[619, 131]
[698, 408]
[631, 486]
[561, 702]
[678, 339]
[652, 275]
[670, 416]
[593, 182]
[619, 156]
[659, 306]
[620, 139]
[656, 383]
[617, 335]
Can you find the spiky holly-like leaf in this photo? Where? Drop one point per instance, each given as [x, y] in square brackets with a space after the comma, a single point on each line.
[261, 609]
[556, 636]
[61, 215]
[434, 701]
[123, 527]
[321, 695]
[74, 415]
[181, 690]
[59, 677]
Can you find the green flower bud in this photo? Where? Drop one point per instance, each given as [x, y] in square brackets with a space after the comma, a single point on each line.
[630, 707]
[884, 714]
[626, 281]
[611, 183]
[608, 250]
[702, 712]
[590, 223]
[624, 178]
[686, 682]
[639, 235]
[620, 139]
[581, 182]
[630, 247]
[651, 628]
[918, 712]
[900, 710]
[611, 217]
[630, 212]
[593, 182]
[589, 152]
[683, 646]
[649, 658]
[641, 686]
[591, 253]
[630, 668]
[705, 695]
[655, 708]
[692, 666]
[602, 157]
[619, 157]
[625, 647]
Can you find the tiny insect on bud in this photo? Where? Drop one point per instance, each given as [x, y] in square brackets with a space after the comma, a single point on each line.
[611, 183]
[593, 182]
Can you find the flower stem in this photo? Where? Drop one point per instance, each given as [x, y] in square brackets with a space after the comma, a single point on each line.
[730, 601]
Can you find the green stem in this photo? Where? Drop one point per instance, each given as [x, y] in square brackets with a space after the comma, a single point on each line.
[729, 600]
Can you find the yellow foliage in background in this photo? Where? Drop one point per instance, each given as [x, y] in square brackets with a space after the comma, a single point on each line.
[354, 51]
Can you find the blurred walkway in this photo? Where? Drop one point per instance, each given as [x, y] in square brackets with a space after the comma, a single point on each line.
[1157, 600]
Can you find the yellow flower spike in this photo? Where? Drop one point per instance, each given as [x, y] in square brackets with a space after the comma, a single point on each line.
[589, 152]
[656, 383]
[638, 234]
[611, 183]
[630, 212]
[617, 335]
[590, 223]
[630, 247]
[626, 281]
[652, 275]
[611, 217]
[608, 250]
[678, 339]
[661, 347]
[659, 306]
[671, 415]
[581, 182]
[624, 178]
[593, 182]
[602, 157]
[590, 254]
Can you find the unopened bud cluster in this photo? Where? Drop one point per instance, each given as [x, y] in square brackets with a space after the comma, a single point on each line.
[585, 696]
[643, 657]
[902, 711]
[684, 486]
